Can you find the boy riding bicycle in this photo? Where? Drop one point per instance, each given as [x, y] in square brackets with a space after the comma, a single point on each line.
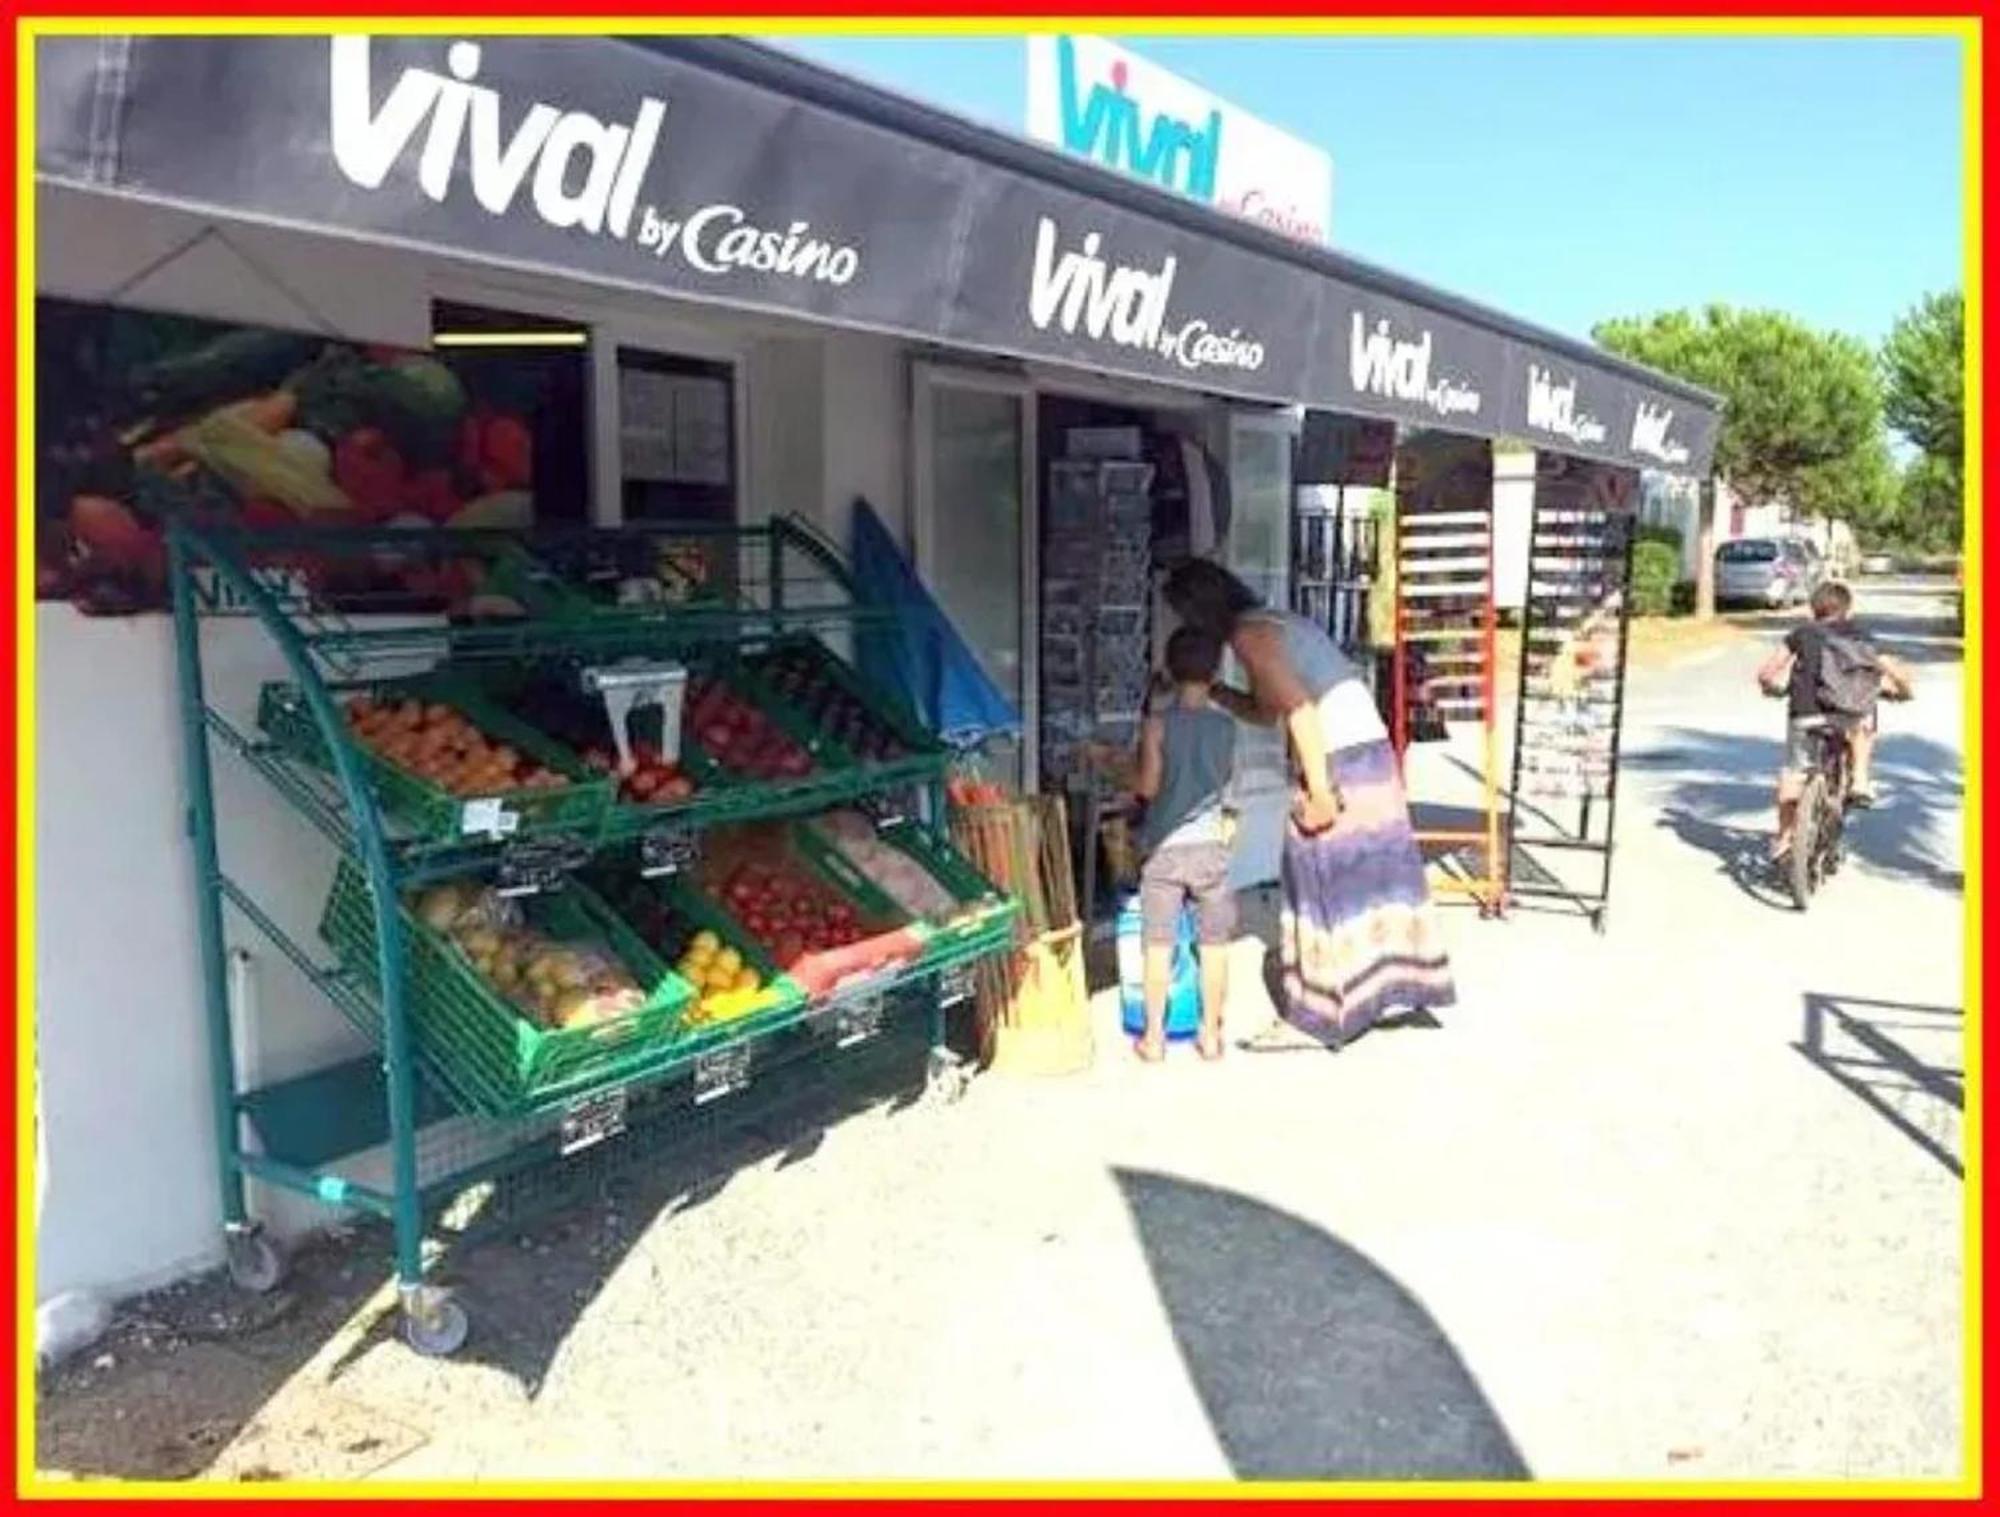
[1830, 673]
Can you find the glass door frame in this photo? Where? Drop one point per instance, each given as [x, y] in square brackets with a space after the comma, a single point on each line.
[926, 379]
[1264, 834]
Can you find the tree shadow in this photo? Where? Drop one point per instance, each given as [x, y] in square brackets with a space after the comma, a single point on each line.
[1866, 1046]
[1310, 1361]
[1723, 786]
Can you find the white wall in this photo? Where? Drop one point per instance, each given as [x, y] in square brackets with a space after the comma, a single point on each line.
[1513, 525]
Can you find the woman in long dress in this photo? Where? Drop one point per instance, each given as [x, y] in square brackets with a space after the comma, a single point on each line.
[1357, 937]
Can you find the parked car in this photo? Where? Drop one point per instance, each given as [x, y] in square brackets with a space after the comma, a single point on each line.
[1877, 563]
[1765, 571]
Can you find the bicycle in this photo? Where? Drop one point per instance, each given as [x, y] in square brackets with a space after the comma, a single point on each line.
[1819, 832]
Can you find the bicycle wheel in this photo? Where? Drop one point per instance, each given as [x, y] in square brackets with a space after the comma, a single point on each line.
[1801, 871]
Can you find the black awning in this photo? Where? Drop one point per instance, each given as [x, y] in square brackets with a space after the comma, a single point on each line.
[717, 171]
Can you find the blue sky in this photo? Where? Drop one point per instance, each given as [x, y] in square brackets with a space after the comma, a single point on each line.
[1569, 179]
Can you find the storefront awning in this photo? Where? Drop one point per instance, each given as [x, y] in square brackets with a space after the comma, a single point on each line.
[718, 171]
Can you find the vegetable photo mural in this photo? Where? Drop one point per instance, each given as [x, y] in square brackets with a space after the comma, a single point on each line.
[142, 418]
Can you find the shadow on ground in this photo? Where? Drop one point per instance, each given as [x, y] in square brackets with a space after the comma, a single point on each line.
[1311, 1362]
[1721, 797]
[1904, 1061]
[184, 1384]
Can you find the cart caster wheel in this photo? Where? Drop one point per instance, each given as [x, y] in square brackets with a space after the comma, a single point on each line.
[436, 1330]
[255, 1265]
[945, 1080]
[1597, 922]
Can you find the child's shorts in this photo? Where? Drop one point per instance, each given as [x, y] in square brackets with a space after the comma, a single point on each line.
[1174, 875]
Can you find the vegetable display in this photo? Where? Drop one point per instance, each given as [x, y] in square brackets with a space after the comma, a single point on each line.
[166, 418]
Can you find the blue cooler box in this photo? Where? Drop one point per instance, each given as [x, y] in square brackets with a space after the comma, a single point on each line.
[1183, 988]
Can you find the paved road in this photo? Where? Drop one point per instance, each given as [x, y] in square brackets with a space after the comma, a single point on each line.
[1681, 1201]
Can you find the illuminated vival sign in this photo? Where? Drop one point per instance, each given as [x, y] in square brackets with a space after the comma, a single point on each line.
[1090, 97]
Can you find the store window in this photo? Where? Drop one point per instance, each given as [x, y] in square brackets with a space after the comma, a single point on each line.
[677, 438]
[527, 380]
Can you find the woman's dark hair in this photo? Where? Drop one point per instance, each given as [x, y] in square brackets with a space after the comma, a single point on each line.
[1208, 596]
[1194, 655]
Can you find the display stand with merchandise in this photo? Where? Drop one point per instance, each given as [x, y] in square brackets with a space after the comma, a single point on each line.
[1575, 630]
[566, 943]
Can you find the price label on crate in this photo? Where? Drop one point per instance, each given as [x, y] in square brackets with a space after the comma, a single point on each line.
[888, 807]
[488, 817]
[673, 850]
[954, 985]
[721, 1073]
[592, 1119]
[530, 868]
[857, 1021]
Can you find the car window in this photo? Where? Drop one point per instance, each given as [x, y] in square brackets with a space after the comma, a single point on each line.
[1751, 551]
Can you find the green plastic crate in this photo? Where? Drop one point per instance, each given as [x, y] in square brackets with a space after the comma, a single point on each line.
[550, 580]
[777, 1004]
[429, 810]
[925, 757]
[984, 925]
[497, 1060]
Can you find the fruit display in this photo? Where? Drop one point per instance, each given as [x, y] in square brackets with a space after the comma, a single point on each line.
[801, 676]
[655, 780]
[809, 927]
[441, 745]
[555, 984]
[739, 737]
[726, 987]
[727, 983]
[551, 705]
[890, 870]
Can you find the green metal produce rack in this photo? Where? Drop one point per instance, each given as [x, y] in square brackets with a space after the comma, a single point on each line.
[438, 611]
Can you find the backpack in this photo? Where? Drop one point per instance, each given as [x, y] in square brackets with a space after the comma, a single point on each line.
[1850, 675]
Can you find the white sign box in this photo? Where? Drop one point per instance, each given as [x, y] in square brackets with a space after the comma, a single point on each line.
[1090, 97]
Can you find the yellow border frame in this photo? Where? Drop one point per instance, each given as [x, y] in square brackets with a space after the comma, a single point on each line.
[1967, 30]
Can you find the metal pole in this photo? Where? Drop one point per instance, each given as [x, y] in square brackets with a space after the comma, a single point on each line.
[208, 896]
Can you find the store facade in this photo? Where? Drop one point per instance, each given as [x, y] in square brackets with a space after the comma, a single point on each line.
[780, 292]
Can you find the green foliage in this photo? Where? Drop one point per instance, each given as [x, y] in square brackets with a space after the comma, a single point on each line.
[1656, 570]
[1794, 399]
[1930, 515]
[1923, 366]
[1863, 489]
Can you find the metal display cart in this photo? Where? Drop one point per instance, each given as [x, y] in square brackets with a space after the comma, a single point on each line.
[1575, 629]
[345, 610]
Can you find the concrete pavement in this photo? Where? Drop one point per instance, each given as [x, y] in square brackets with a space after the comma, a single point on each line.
[1677, 1202]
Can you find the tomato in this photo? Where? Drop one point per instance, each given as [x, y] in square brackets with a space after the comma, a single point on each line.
[369, 471]
[678, 787]
[788, 947]
[112, 533]
[840, 914]
[507, 451]
[430, 494]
